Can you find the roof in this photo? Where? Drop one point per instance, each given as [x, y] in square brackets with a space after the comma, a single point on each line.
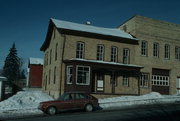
[36, 61]
[70, 28]
[106, 62]
[91, 29]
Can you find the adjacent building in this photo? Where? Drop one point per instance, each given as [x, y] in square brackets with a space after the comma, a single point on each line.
[140, 56]
[35, 70]
[158, 52]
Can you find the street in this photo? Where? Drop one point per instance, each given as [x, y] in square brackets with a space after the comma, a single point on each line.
[165, 112]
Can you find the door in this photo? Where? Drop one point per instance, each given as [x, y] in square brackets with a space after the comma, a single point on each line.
[99, 82]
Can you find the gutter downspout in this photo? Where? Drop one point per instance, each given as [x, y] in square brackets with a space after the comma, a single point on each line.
[62, 58]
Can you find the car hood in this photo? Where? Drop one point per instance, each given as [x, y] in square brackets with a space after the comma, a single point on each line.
[51, 101]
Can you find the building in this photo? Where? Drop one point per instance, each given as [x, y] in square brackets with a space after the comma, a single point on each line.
[35, 70]
[92, 59]
[158, 52]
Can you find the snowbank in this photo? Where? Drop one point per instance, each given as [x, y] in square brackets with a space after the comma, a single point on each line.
[126, 101]
[24, 100]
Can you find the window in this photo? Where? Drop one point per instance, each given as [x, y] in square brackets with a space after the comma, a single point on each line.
[47, 61]
[80, 50]
[126, 56]
[156, 49]
[125, 80]
[69, 73]
[50, 56]
[79, 96]
[177, 53]
[56, 51]
[54, 74]
[144, 48]
[167, 51]
[49, 76]
[160, 80]
[144, 79]
[114, 52]
[83, 75]
[100, 52]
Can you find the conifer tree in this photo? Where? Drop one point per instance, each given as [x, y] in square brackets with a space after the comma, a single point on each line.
[11, 68]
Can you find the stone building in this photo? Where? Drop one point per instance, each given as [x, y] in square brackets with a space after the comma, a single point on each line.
[140, 56]
[92, 59]
[158, 52]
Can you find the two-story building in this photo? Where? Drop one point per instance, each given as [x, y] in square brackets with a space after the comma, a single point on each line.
[158, 52]
[80, 57]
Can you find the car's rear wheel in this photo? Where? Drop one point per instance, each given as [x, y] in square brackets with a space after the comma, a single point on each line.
[51, 110]
[89, 108]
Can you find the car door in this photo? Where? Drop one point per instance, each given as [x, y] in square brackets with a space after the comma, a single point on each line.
[80, 100]
[67, 102]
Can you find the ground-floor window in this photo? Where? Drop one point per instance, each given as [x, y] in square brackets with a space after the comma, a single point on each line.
[69, 73]
[125, 80]
[83, 75]
[144, 79]
[160, 80]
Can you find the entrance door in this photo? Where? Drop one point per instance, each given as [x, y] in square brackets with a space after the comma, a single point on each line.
[100, 82]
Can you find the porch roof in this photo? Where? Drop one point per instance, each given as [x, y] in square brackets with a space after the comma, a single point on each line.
[104, 63]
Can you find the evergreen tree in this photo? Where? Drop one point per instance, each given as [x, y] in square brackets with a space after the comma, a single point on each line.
[11, 68]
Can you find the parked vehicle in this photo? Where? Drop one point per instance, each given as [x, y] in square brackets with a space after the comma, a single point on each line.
[70, 101]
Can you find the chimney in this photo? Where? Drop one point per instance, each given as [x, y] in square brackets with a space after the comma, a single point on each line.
[88, 23]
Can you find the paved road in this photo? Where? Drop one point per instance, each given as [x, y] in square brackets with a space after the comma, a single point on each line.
[168, 112]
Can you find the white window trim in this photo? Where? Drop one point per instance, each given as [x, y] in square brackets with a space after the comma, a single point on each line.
[157, 79]
[115, 56]
[78, 51]
[127, 55]
[146, 86]
[67, 73]
[100, 52]
[88, 83]
[167, 51]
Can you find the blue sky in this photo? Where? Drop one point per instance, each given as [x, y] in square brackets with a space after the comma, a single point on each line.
[25, 22]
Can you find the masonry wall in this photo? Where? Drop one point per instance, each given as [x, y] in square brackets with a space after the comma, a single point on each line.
[152, 31]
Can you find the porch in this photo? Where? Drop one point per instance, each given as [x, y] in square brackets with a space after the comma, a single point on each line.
[102, 78]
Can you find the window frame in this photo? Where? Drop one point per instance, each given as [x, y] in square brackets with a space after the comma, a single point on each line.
[67, 74]
[144, 82]
[100, 55]
[126, 61]
[55, 70]
[156, 49]
[80, 51]
[158, 80]
[144, 49]
[177, 53]
[167, 51]
[89, 70]
[114, 54]
[125, 81]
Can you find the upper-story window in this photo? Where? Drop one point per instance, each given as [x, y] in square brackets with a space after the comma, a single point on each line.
[144, 48]
[100, 52]
[50, 56]
[126, 56]
[177, 53]
[114, 51]
[156, 49]
[56, 51]
[80, 50]
[167, 51]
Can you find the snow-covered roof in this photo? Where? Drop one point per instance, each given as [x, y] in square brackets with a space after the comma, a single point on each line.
[36, 61]
[105, 62]
[91, 29]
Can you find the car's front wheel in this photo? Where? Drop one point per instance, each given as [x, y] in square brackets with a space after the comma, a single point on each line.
[89, 108]
[51, 110]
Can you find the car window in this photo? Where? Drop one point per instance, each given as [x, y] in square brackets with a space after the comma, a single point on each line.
[80, 96]
[67, 97]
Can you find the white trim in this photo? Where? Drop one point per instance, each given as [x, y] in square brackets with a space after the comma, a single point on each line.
[67, 73]
[105, 62]
[160, 80]
[87, 83]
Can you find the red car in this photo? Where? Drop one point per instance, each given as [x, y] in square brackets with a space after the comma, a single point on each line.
[70, 101]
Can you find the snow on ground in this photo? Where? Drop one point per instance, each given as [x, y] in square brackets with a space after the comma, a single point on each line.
[25, 103]
[127, 101]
